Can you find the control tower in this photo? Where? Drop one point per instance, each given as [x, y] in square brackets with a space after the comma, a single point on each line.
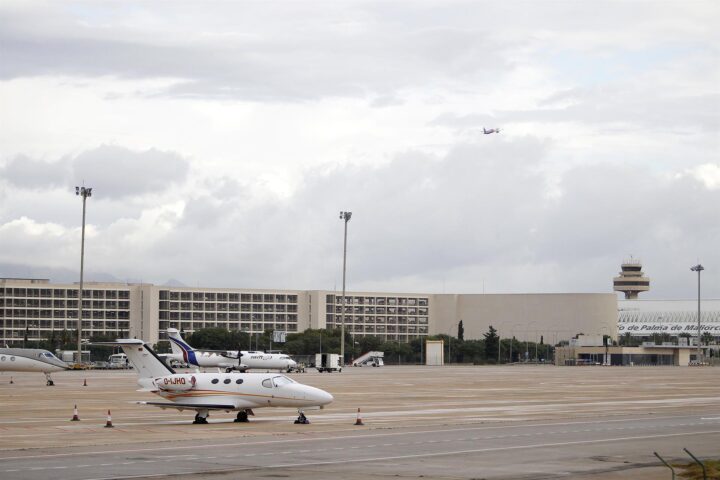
[631, 280]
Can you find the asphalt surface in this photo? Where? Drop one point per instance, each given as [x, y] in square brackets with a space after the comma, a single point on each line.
[412, 427]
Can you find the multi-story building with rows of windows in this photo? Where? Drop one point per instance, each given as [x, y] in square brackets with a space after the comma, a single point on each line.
[39, 308]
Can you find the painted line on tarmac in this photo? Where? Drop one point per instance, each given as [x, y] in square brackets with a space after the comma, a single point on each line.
[403, 457]
[248, 441]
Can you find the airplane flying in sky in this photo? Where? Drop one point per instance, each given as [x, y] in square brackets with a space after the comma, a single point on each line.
[488, 131]
[203, 392]
[31, 360]
[229, 360]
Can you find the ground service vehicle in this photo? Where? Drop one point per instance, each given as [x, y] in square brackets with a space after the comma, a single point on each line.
[328, 362]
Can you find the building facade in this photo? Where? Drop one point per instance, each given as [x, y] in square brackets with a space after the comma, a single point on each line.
[642, 318]
[39, 309]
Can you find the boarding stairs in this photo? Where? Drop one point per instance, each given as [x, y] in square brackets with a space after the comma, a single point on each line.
[374, 359]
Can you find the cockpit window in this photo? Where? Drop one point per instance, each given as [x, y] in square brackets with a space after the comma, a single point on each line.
[49, 355]
[281, 380]
[267, 383]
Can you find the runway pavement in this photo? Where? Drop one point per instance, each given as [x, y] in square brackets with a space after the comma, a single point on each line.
[450, 422]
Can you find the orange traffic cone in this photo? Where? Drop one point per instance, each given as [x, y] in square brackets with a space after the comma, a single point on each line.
[109, 424]
[359, 419]
[85, 382]
[75, 417]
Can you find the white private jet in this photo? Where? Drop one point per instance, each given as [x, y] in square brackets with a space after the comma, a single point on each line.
[203, 392]
[31, 360]
[229, 360]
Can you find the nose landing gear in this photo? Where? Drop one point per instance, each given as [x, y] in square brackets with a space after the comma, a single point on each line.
[50, 382]
[302, 419]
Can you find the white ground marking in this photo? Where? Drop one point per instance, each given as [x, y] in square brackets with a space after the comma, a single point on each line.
[402, 457]
[346, 437]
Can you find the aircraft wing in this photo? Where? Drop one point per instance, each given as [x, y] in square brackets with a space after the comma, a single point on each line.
[189, 406]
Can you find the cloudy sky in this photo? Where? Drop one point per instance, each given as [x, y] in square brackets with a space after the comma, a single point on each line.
[222, 139]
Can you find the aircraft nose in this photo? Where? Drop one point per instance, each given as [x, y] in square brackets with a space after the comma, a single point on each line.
[321, 396]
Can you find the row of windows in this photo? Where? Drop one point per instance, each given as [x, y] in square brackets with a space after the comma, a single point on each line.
[390, 319]
[379, 310]
[227, 307]
[228, 297]
[97, 304]
[361, 300]
[60, 325]
[244, 327]
[63, 293]
[199, 316]
[226, 381]
[23, 313]
[421, 329]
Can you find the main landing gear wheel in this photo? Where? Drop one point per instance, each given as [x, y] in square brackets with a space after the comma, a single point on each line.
[200, 420]
[242, 417]
[302, 419]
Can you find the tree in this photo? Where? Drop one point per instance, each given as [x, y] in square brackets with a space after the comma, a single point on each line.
[492, 342]
[461, 331]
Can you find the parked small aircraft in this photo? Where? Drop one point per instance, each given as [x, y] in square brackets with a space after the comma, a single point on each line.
[203, 392]
[229, 360]
[31, 360]
[488, 131]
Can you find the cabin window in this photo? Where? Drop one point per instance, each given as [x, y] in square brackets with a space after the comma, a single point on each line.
[215, 380]
[227, 380]
[239, 381]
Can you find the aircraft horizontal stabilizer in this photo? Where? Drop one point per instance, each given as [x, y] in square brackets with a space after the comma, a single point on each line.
[189, 406]
[120, 341]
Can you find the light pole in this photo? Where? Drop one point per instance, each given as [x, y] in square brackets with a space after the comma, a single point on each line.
[84, 192]
[527, 337]
[698, 268]
[346, 217]
[512, 339]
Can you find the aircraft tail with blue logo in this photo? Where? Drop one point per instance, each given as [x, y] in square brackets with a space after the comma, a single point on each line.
[180, 347]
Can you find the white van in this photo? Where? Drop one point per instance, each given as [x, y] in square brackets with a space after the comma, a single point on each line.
[118, 360]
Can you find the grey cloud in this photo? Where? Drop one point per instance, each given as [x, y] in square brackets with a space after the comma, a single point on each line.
[646, 109]
[29, 173]
[479, 215]
[301, 55]
[116, 172]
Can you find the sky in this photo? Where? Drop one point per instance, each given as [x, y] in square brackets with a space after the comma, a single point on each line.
[222, 139]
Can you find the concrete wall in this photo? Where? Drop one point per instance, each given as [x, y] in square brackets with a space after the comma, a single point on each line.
[527, 316]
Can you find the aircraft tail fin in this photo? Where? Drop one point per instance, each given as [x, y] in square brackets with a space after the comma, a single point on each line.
[180, 347]
[143, 358]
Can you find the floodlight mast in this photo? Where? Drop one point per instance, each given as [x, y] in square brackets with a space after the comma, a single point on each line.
[346, 217]
[698, 268]
[84, 192]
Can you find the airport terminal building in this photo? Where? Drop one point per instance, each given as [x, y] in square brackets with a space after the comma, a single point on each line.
[37, 308]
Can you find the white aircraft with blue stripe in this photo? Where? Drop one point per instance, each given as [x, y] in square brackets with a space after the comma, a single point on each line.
[205, 392]
[229, 360]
